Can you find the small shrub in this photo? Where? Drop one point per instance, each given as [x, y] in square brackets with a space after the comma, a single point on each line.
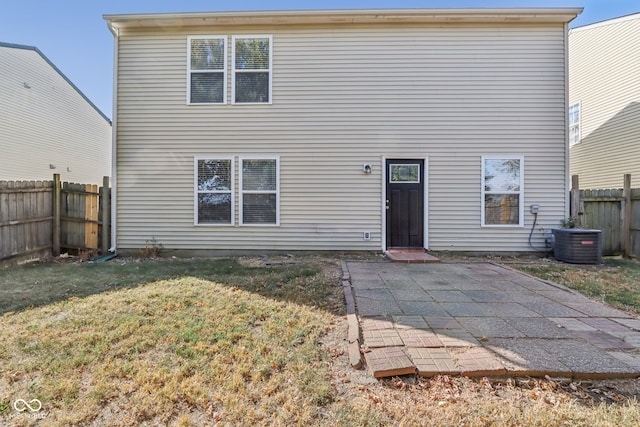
[570, 222]
[151, 248]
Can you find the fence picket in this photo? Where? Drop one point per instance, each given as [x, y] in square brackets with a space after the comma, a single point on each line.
[606, 210]
[28, 218]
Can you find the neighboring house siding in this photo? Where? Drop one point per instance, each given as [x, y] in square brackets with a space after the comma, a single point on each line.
[343, 97]
[48, 123]
[604, 76]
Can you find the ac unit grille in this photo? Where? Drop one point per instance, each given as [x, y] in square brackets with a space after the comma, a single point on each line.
[577, 246]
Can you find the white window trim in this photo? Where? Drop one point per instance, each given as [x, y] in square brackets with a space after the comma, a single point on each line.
[520, 193]
[196, 191]
[233, 68]
[224, 69]
[241, 192]
[578, 124]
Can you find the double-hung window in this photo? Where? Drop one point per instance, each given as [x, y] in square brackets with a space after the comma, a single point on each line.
[259, 191]
[207, 70]
[574, 124]
[214, 191]
[502, 191]
[252, 62]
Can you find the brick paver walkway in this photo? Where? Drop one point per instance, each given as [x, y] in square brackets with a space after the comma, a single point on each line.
[480, 319]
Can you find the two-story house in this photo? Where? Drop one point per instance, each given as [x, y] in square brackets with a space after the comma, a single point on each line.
[604, 102]
[340, 130]
[47, 125]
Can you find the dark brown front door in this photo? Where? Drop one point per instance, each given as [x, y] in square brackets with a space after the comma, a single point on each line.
[405, 203]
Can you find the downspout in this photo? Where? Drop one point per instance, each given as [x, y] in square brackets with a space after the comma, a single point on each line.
[114, 139]
[567, 185]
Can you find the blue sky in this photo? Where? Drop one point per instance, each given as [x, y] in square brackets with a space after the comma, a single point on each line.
[73, 35]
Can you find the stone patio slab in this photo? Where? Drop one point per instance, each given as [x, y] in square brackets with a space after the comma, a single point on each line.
[526, 357]
[433, 361]
[604, 340]
[419, 338]
[540, 327]
[631, 323]
[376, 323]
[488, 296]
[375, 283]
[467, 309]
[442, 322]
[605, 325]
[456, 338]
[449, 296]
[551, 309]
[389, 361]
[477, 362]
[586, 360]
[510, 309]
[629, 359]
[424, 308]
[632, 338]
[382, 338]
[572, 324]
[490, 327]
[411, 295]
[595, 309]
[483, 320]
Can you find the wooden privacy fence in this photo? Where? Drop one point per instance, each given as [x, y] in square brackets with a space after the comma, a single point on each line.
[614, 211]
[38, 218]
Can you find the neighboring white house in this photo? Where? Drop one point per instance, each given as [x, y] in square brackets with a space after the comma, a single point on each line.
[340, 130]
[47, 125]
[604, 102]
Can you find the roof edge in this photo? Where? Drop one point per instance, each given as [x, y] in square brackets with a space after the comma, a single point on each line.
[345, 16]
[52, 65]
[605, 22]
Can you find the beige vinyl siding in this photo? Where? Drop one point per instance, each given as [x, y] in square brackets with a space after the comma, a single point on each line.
[50, 123]
[344, 96]
[604, 69]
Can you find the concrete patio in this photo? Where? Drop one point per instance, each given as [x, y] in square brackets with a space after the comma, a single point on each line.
[482, 319]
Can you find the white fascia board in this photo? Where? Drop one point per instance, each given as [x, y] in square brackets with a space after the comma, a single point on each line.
[363, 16]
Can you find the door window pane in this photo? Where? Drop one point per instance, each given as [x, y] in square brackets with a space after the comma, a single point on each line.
[404, 174]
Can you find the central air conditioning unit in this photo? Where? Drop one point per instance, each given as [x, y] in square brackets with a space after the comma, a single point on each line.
[577, 245]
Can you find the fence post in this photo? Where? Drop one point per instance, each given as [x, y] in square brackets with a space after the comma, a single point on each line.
[57, 189]
[575, 199]
[105, 214]
[626, 220]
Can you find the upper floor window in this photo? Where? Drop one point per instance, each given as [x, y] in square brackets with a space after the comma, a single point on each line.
[252, 62]
[574, 124]
[207, 70]
[502, 191]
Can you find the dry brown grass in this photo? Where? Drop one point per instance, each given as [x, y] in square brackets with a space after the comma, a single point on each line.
[237, 342]
[616, 281]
